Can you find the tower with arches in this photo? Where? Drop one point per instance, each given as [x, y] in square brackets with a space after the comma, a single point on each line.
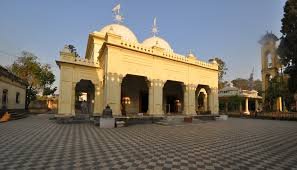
[269, 59]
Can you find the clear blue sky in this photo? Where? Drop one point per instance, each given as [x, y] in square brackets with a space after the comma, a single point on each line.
[229, 29]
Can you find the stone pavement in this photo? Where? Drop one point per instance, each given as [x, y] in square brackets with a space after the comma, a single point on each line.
[39, 143]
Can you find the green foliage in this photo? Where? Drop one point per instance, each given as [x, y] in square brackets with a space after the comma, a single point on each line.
[222, 68]
[244, 84]
[288, 47]
[222, 71]
[258, 87]
[241, 83]
[277, 88]
[73, 50]
[39, 77]
[223, 84]
[234, 102]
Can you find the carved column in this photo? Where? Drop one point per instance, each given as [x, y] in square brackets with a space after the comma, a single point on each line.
[112, 92]
[158, 97]
[192, 89]
[186, 99]
[73, 92]
[150, 85]
[247, 106]
[189, 99]
[98, 98]
[214, 101]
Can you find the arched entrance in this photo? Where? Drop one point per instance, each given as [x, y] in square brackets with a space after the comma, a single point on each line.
[84, 97]
[173, 97]
[202, 98]
[134, 94]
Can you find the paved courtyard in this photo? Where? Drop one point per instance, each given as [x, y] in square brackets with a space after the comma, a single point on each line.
[39, 143]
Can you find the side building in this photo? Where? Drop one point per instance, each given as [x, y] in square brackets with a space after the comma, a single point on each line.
[12, 91]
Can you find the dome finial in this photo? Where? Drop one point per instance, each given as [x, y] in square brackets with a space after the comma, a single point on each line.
[155, 28]
[116, 12]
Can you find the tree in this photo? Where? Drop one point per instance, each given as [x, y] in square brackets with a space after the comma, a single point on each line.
[277, 88]
[222, 68]
[223, 84]
[47, 78]
[258, 87]
[244, 84]
[241, 83]
[222, 71]
[287, 49]
[39, 77]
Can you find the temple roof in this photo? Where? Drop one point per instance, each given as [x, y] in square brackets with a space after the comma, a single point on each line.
[157, 41]
[6, 73]
[267, 37]
[120, 30]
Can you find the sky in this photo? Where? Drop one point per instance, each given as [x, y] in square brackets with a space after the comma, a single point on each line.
[228, 29]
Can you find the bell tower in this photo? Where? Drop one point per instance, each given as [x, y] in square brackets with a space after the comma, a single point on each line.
[269, 59]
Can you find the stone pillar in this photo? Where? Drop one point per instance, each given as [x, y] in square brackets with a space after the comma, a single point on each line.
[73, 98]
[112, 92]
[186, 99]
[158, 97]
[98, 99]
[189, 99]
[214, 101]
[208, 99]
[247, 106]
[150, 85]
[279, 105]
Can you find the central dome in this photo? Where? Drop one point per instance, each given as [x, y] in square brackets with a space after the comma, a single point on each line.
[120, 30]
[157, 41]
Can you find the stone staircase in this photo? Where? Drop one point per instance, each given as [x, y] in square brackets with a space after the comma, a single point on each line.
[171, 120]
[81, 118]
[14, 115]
[18, 115]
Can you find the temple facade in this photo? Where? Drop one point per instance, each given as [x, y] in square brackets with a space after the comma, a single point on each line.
[135, 77]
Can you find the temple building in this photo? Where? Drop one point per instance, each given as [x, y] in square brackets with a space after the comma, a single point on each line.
[133, 76]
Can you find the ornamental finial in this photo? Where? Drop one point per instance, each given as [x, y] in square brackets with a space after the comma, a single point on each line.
[155, 28]
[116, 12]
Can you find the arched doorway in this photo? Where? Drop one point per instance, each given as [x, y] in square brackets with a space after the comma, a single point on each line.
[173, 97]
[269, 60]
[84, 97]
[134, 94]
[202, 98]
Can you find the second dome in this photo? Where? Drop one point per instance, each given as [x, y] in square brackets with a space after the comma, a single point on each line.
[157, 41]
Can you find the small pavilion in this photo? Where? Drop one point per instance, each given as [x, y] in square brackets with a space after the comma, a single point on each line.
[233, 99]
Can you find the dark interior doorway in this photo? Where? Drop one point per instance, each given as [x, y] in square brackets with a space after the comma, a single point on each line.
[134, 94]
[173, 97]
[143, 103]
